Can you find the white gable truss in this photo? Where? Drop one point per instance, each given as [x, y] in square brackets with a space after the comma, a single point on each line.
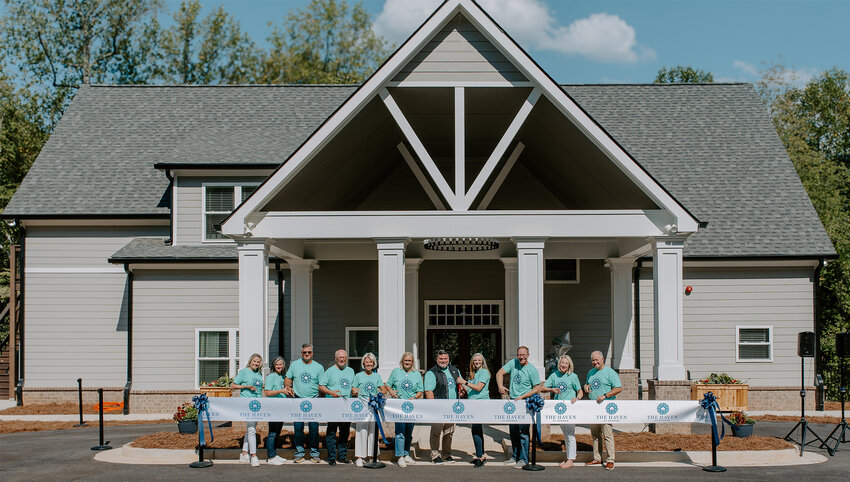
[458, 220]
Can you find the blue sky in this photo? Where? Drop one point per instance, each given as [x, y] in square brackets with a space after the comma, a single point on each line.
[599, 41]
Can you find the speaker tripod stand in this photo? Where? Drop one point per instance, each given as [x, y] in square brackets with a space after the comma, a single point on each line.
[839, 433]
[803, 424]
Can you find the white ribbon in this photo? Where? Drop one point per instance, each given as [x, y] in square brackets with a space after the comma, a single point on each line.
[493, 412]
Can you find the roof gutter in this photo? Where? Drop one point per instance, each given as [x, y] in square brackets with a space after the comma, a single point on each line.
[129, 383]
[820, 360]
[171, 215]
[19, 388]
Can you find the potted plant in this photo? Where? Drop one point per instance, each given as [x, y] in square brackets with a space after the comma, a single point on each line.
[186, 418]
[742, 424]
[731, 393]
[218, 388]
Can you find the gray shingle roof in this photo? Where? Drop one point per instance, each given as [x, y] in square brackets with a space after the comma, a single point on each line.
[149, 249]
[711, 146]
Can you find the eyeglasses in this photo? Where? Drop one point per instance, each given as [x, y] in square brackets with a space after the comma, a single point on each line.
[306, 352]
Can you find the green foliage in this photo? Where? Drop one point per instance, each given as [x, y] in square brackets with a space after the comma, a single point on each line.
[326, 43]
[206, 51]
[185, 412]
[720, 379]
[682, 74]
[741, 418]
[813, 123]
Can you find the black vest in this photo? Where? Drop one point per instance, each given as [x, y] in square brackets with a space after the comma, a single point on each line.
[442, 389]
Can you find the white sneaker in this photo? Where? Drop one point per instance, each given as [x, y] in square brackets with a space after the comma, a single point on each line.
[277, 460]
[358, 462]
[402, 462]
[510, 462]
[255, 462]
[409, 459]
[243, 459]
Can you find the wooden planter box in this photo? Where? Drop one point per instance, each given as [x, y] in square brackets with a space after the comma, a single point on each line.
[217, 391]
[729, 397]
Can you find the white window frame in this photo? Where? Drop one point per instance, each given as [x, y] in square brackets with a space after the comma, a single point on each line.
[738, 329]
[563, 282]
[349, 329]
[237, 201]
[233, 365]
[501, 315]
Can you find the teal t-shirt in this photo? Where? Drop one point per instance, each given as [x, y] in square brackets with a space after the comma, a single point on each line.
[431, 383]
[335, 379]
[305, 377]
[275, 382]
[602, 381]
[367, 384]
[481, 375]
[568, 383]
[407, 384]
[523, 378]
[246, 376]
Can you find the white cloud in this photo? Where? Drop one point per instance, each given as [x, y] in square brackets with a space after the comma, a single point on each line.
[745, 67]
[601, 37]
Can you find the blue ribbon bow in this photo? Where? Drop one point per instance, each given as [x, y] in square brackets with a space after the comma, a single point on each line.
[534, 404]
[376, 403]
[709, 403]
[202, 404]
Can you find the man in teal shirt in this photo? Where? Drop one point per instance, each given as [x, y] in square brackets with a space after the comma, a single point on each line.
[337, 382]
[303, 376]
[443, 381]
[603, 383]
[525, 382]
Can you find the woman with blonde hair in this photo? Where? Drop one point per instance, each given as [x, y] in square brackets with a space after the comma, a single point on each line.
[366, 383]
[275, 388]
[478, 388]
[566, 386]
[249, 381]
[404, 382]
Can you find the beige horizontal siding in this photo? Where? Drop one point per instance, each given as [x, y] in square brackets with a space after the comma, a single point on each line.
[67, 247]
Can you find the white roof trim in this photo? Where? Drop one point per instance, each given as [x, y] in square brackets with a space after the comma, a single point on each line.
[234, 225]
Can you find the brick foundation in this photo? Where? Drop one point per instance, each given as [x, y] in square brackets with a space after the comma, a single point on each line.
[629, 379]
[669, 390]
[779, 398]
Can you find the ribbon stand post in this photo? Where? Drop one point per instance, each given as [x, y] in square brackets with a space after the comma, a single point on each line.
[103, 445]
[709, 402]
[534, 404]
[376, 403]
[202, 404]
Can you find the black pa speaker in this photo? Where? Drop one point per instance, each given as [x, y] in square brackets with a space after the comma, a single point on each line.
[842, 345]
[806, 344]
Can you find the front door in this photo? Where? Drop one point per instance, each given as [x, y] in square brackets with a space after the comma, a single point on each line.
[464, 328]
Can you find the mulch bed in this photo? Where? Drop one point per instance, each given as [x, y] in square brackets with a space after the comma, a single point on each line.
[54, 408]
[650, 442]
[794, 418]
[10, 426]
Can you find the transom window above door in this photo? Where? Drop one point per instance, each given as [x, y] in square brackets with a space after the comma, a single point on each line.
[463, 313]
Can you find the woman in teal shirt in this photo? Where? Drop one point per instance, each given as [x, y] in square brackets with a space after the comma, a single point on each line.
[249, 381]
[274, 388]
[478, 388]
[404, 382]
[566, 386]
[366, 383]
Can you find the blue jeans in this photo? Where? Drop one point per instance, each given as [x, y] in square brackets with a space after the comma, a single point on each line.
[312, 440]
[337, 450]
[274, 431]
[478, 439]
[519, 442]
[403, 437]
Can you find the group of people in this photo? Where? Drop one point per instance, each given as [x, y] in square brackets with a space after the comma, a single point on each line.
[306, 378]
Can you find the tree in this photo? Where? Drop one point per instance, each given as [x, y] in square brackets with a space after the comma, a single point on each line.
[208, 51]
[326, 43]
[813, 123]
[682, 74]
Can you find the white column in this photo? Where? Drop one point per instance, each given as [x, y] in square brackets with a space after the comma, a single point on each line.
[530, 267]
[411, 307]
[667, 293]
[253, 300]
[391, 304]
[511, 315]
[622, 319]
[301, 305]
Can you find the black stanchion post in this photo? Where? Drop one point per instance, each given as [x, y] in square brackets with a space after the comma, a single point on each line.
[80, 392]
[533, 465]
[103, 445]
[714, 467]
[201, 463]
[375, 464]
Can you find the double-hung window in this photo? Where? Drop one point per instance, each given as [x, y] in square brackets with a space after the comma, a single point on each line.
[754, 343]
[216, 353]
[220, 199]
[358, 342]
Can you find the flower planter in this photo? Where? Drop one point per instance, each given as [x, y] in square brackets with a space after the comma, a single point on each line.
[187, 426]
[732, 397]
[742, 431]
[217, 391]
